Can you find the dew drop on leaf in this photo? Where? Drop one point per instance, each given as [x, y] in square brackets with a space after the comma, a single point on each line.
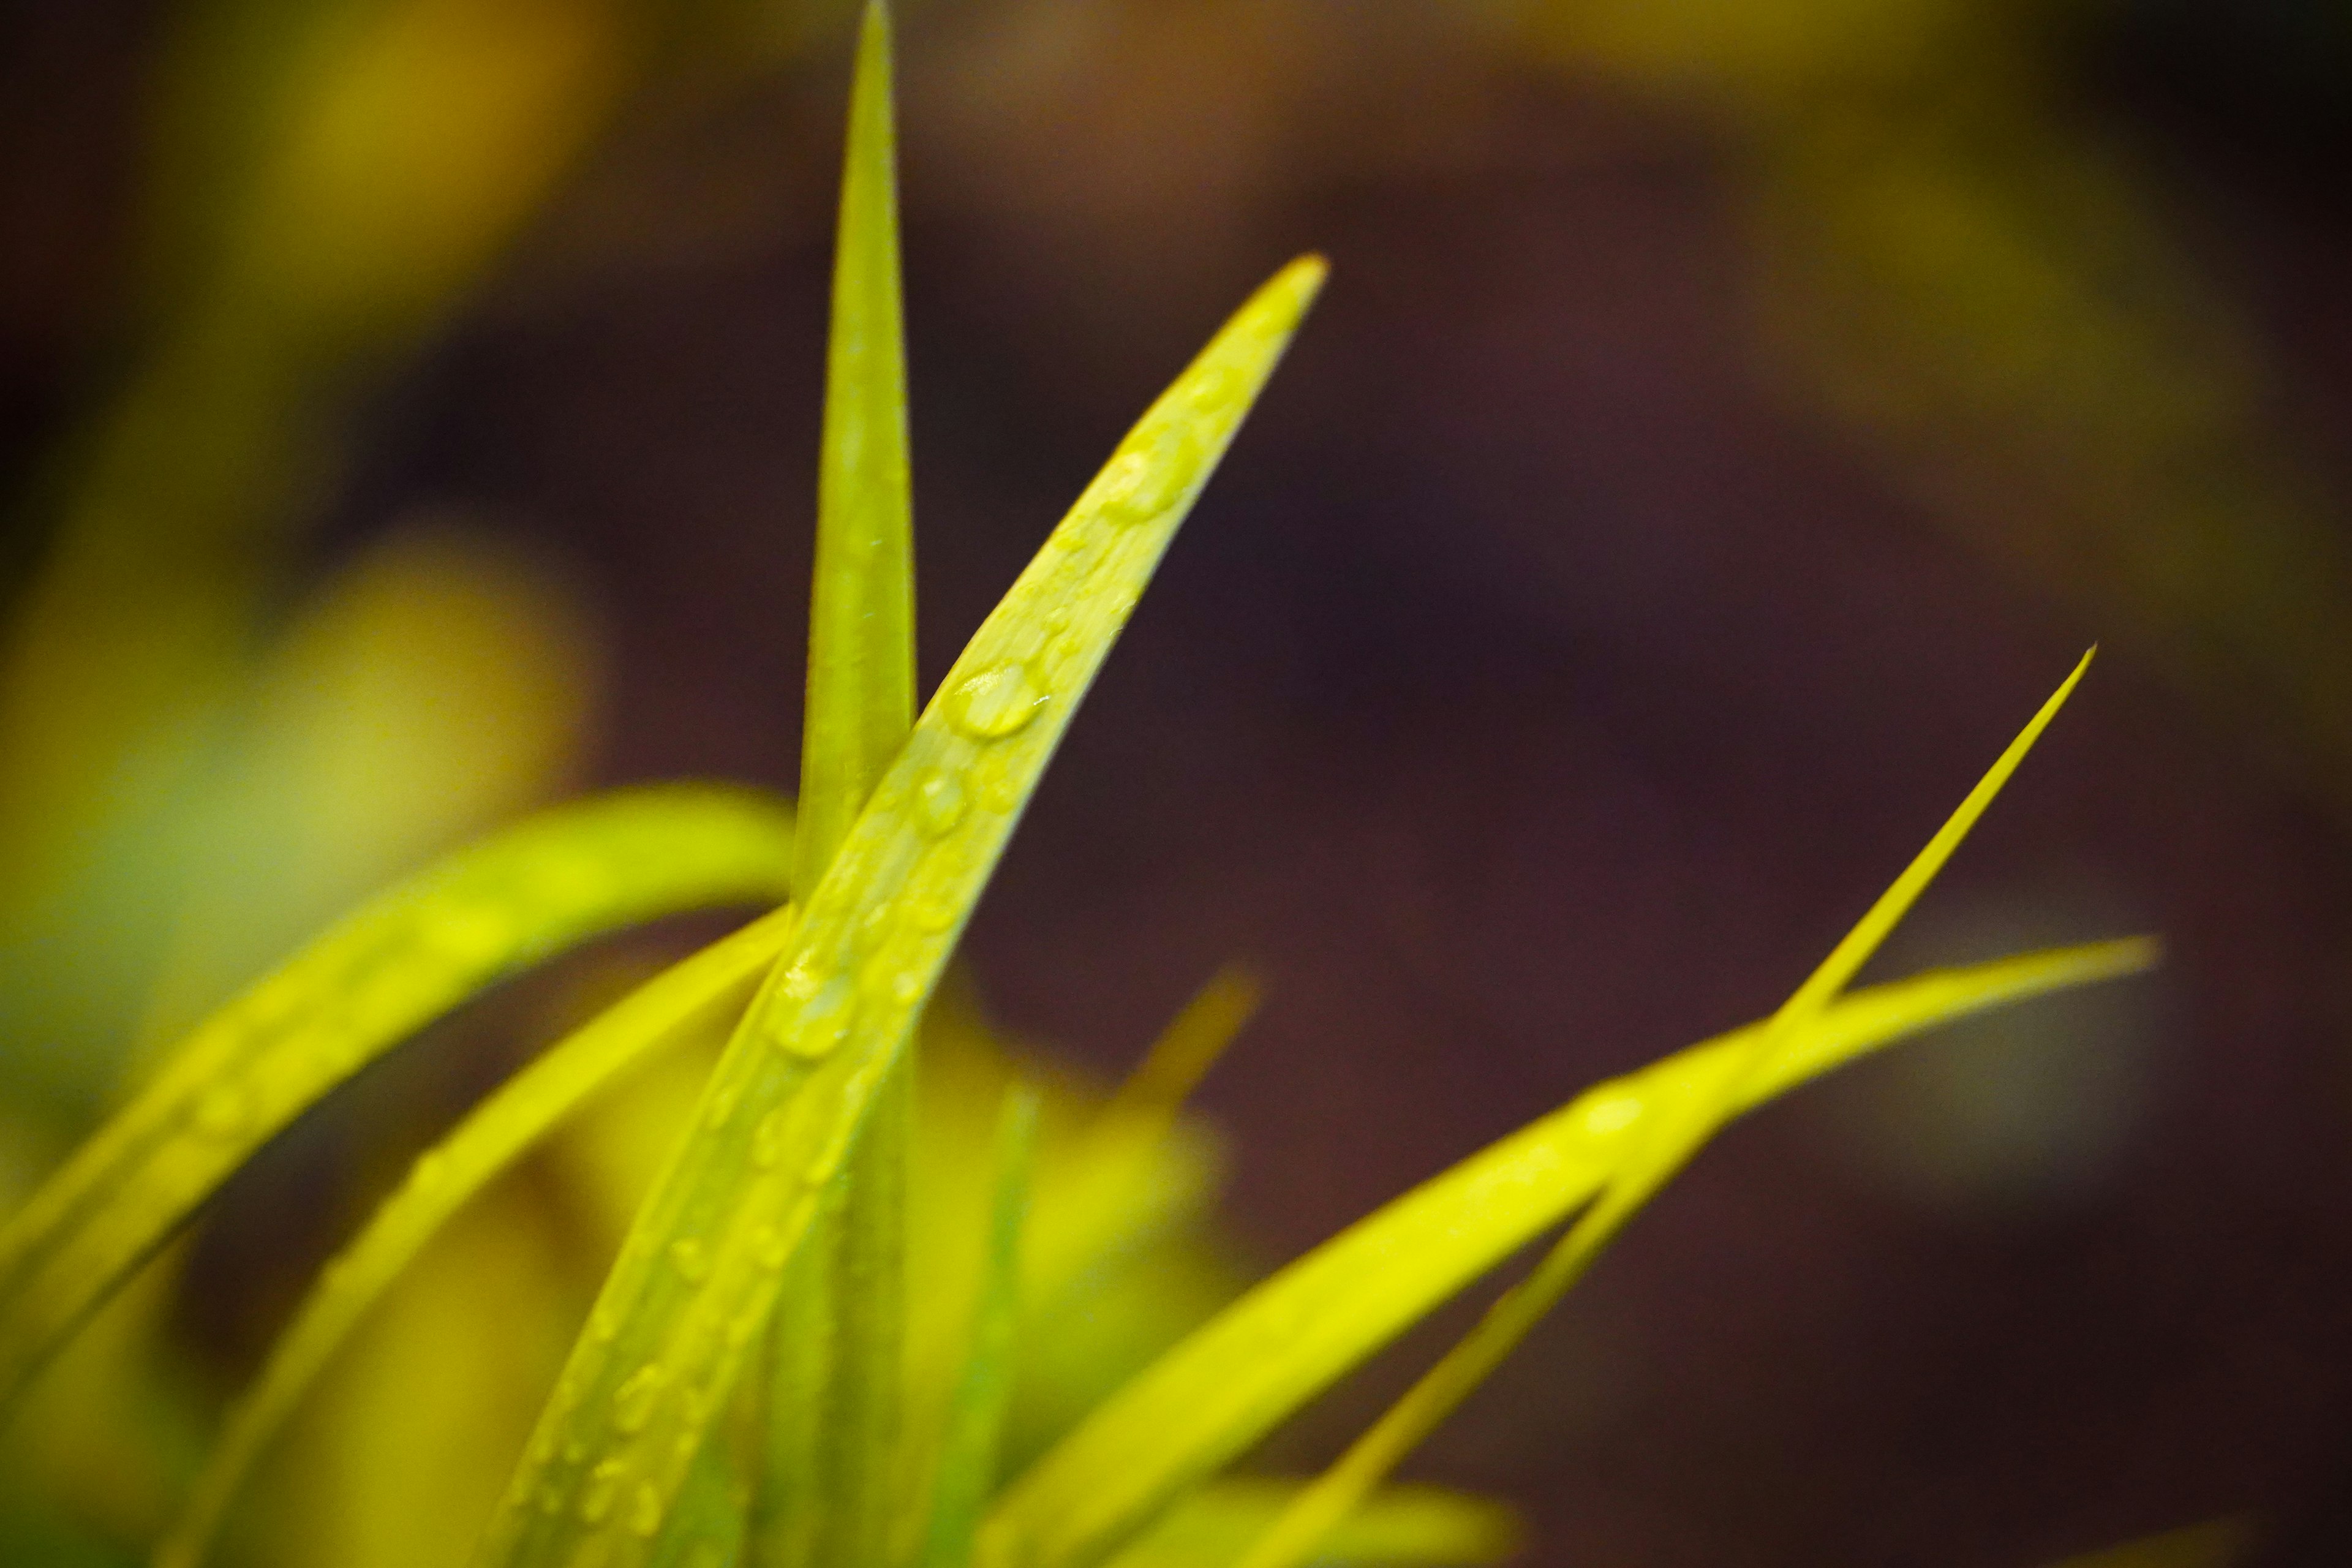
[939, 803]
[997, 702]
[596, 1501]
[823, 1023]
[768, 1138]
[645, 1510]
[632, 1404]
[690, 1259]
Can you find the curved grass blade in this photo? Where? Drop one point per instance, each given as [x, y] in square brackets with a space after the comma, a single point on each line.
[966, 1463]
[1199, 1406]
[395, 964]
[700, 1273]
[1408, 1526]
[1670, 1136]
[707, 990]
[831, 1393]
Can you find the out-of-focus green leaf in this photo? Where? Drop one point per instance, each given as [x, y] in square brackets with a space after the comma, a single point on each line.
[2216, 1543]
[700, 1273]
[1203, 1403]
[395, 964]
[1670, 1134]
[1185, 1052]
[706, 991]
[1424, 1527]
[966, 1462]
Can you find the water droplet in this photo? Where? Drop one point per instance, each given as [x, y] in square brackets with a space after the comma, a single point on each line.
[998, 783]
[768, 1250]
[1612, 1112]
[724, 1096]
[690, 1259]
[939, 803]
[831, 1151]
[596, 1499]
[646, 1509]
[603, 1323]
[1146, 480]
[768, 1138]
[1059, 617]
[823, 1021]
[998, 702]
[632, 1404]
[222, 1111]
[932, 910]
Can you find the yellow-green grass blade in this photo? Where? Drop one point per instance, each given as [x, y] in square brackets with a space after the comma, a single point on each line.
[700, 1273]
[827, 1497]
[1155, 1090]
[861, 669]
[1211, 1398]
[1405, 1527]
[703, 992]
[965, 1469]
[1670, 1136]
[399, 962]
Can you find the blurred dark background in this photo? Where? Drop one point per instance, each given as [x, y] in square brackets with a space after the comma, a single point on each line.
[1725, 423]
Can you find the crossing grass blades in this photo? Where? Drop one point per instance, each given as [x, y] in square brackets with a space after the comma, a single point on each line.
[741, 1391]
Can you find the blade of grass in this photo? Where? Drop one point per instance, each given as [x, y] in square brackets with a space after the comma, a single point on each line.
[1397, 1525]
[1666, 1141]
[1211, 1396]
[399, 962]
[700, 1273]
[1185, 1051]
[706, 990]
[824, 1495]
[965, 1467]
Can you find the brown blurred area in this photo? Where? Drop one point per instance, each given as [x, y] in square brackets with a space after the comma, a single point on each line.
[1725, 423]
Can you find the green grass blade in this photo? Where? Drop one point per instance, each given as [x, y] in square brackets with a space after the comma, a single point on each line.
[706, 991]
[1403, 1527]
[861, 669]
[1206, 1401]
[700, 1273]
[1669, 1137]
[1185, 1051]
[401, 961]
[825, 1496]
[966, 1464]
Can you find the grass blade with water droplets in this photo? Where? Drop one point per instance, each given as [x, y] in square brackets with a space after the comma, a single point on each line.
[397, 963]
[698, 1274]
[705, 991]
[966, 1464]
[1669, 1136]
[1213, 1396]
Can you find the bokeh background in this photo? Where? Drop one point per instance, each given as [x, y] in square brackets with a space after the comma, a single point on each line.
[1726, 421]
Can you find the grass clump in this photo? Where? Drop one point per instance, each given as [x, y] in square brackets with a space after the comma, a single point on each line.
[756, 1383]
